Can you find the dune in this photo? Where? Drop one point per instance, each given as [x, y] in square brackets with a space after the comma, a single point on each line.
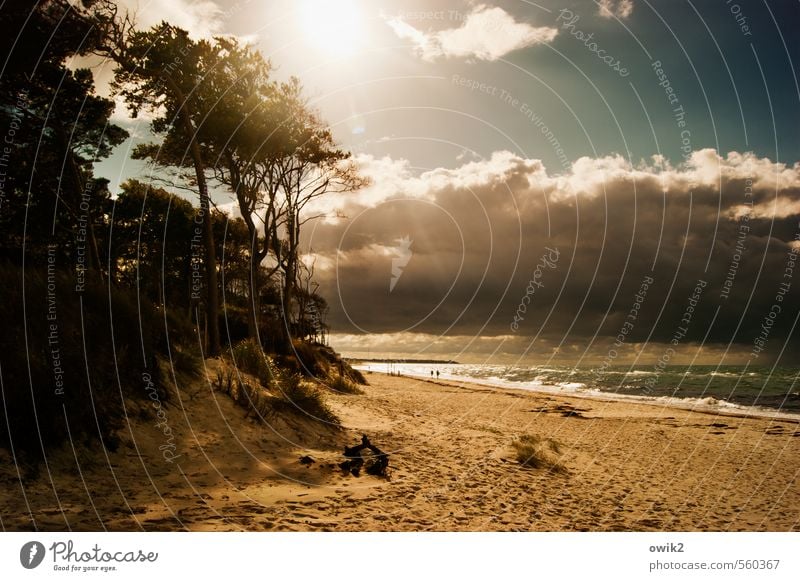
[626, 467]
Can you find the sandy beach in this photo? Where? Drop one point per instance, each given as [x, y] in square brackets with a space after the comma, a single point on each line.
[627, 467]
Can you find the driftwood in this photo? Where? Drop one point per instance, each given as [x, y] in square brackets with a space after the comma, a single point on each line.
[376, 463]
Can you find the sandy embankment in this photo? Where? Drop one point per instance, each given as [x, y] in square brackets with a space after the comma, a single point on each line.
[629, 467]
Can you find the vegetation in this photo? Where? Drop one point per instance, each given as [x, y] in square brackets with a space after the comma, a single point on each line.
[343, 385]
[254, 398]
[70, 361]
[219, 112]
[249, 357]
[289, 394]
[101, 285]
[298, 396]
[537, 452]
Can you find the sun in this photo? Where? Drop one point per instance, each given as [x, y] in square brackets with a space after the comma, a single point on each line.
[333, 27]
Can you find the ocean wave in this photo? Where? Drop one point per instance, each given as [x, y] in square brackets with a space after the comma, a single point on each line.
[584, 383]
[572, 385]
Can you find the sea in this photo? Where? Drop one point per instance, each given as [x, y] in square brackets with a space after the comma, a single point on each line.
[749, 390]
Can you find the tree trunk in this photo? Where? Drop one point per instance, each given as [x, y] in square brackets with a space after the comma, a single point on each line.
[252, 290]
[212, 290]
[290, 276]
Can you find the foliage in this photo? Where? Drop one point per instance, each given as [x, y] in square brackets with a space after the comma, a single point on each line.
[56, 127]
[157, 70]
[70, 361]
[150, 245]
[309, 359]
[123, 273]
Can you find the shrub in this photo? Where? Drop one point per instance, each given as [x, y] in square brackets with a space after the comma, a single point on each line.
[69, 360]
[297, 396]
[355, 374]
[185, 364]
[537, 452]
[312, 364]
[249, 357]
[233, 324]
[343, 385]
[253, 398]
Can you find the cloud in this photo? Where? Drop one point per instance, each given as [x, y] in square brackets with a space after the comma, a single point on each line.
[488, 33]
[479, 230]
[506, 349]
[615, 8]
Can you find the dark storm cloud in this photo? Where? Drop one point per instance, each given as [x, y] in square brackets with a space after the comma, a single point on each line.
[478, 232]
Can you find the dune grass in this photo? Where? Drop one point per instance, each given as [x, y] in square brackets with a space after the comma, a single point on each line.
[297, 396]
[534, 451]
[288, 394]
[342, 385]
[249, 357]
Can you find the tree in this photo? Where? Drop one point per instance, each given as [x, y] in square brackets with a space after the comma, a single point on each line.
[242, 134]
[314, 167]
[159, 70]
[268, 147]
[277, 156]
[150, 243]
[312, 308]
[54, 120]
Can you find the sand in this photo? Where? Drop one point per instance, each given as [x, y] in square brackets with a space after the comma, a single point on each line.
[627, 467]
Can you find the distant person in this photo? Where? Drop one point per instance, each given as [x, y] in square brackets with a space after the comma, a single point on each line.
[431, 373]
[437, 374]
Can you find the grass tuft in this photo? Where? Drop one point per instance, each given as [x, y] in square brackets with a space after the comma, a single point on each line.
[344, 386]
[249, 357]
[297, 396]
[537, 452]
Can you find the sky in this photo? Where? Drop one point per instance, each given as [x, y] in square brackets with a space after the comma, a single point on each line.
[551, 181]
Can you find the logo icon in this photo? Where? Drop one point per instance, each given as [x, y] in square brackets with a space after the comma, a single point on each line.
[402, 256]
[31, 554]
